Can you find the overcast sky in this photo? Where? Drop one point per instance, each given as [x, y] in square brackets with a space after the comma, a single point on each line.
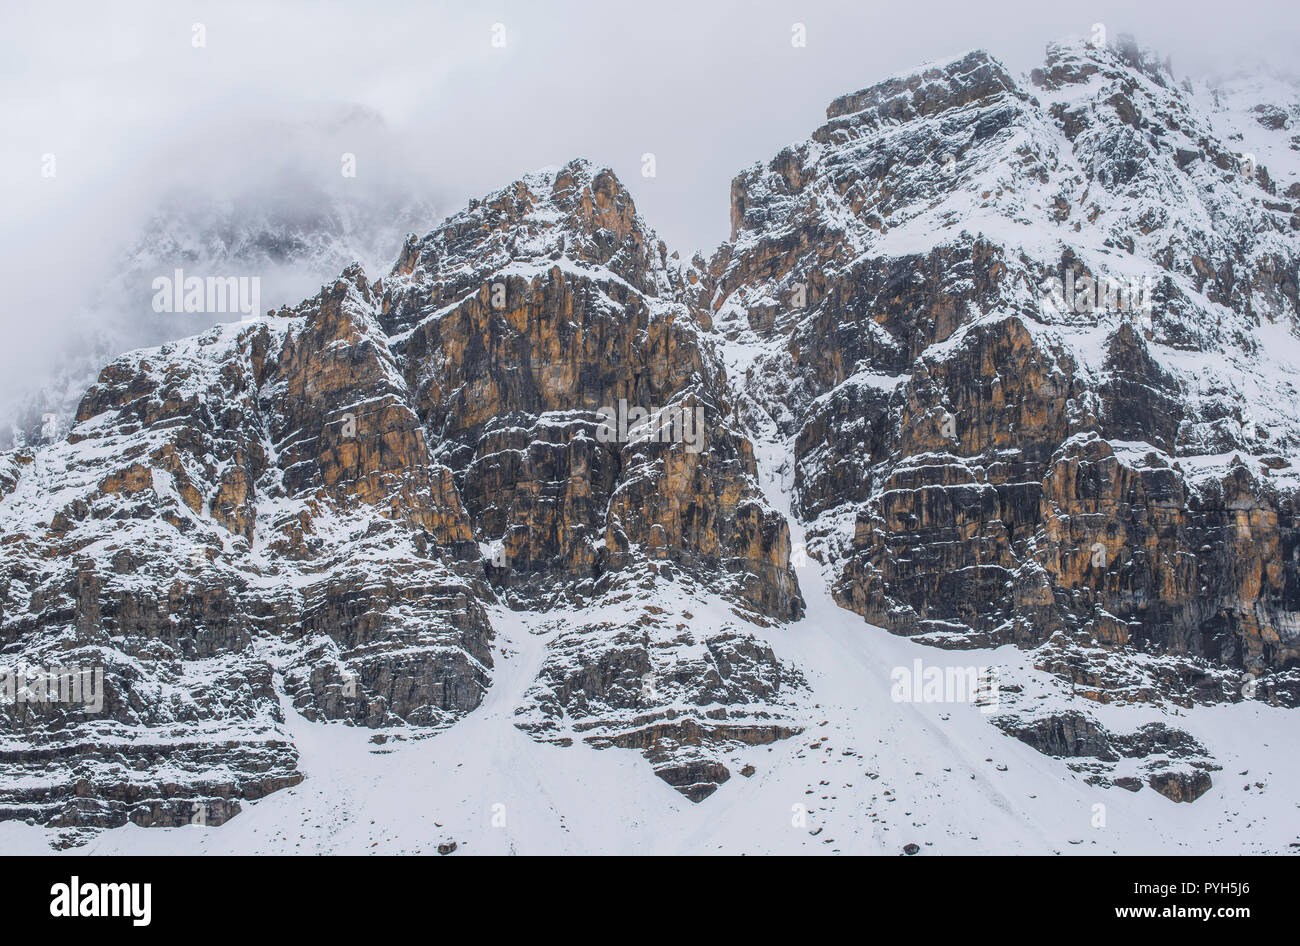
[130, 107]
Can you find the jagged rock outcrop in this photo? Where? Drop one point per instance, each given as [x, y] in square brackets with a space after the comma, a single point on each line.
[1169, 760]
[518, 322]
[683, 695]
[531, 327]
[257, 504]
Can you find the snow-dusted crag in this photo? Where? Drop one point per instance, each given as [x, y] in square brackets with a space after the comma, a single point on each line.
[209, 535]
[314, 508]
[330, 512]
[988, 456]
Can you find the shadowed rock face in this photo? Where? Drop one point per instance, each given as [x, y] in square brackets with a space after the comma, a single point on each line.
[660, 685]
[1170, 761]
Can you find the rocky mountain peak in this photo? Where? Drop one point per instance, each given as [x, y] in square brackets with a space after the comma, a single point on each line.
[575, 215]
[925, 92]
[1073, 63]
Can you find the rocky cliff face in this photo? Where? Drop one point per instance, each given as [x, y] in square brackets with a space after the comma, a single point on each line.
[316, 507]
[1024, 459]
[249, 517]
[1019, 355]
[1033, 346]
[517, 322]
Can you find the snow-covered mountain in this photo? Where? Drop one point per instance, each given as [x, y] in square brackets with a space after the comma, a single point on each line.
[1004, 366]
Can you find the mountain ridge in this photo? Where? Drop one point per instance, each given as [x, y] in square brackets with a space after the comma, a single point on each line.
[867, 369]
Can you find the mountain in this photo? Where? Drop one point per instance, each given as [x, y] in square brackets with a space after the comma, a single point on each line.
[1004, 366]
[982, 464]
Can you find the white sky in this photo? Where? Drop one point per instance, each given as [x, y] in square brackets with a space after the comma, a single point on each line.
[128, 106]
